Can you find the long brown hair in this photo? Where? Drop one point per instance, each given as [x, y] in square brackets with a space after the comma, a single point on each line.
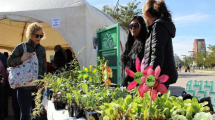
[157, 9]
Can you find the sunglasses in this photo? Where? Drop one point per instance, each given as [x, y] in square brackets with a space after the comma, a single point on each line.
[37, 35]
[135, 25]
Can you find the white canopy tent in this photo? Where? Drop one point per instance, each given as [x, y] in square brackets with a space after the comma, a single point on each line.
[79, 22]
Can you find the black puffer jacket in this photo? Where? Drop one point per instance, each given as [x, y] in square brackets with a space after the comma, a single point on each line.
[159, 49]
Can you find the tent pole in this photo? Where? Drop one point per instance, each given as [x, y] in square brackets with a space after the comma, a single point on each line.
[23, 32]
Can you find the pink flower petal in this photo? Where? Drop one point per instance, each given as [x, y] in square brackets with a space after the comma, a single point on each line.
[140, 92]
[150, 72]
[153, 94]
[132, 85]
[142, 65]
[162, 88]
[145, 71]
[145, 88]
[129, 72]
[163, 78]
[157, 71]
[143, 78]
[138, 65]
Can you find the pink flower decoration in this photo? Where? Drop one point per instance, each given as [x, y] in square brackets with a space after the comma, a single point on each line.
[158, 80]
[139, 68]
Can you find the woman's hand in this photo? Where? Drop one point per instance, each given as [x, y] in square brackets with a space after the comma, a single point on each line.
[25, 56]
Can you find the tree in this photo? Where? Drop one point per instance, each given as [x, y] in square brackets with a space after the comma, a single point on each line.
[211, 55]
[200, 58]
[189, 60]
[206, 58]
[123, 14]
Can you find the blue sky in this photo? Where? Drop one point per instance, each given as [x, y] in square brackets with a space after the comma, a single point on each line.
[194, 19]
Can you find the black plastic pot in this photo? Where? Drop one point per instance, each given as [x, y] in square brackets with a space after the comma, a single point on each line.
[186, 96]
[207, 99]
[78, 112]
[95, 114]
[50, 95]
[59, 105]
[71, 110]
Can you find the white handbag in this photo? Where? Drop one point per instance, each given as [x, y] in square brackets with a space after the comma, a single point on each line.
[23, 75]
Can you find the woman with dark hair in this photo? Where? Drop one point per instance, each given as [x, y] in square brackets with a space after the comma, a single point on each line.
[158, 47]
[134, 47]
[69, 59]
[59, 61]
[59, 48]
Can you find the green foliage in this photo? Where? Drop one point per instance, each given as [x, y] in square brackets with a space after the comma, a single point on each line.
[115, 103]
[206, 58]
[165, 107]
[123, 14]
[187, 61]
[99, 69]
[203, 116]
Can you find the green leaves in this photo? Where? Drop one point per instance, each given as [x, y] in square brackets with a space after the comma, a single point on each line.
[164, 107]
[76, 96]
[123, 14]
[203, 116]
[84, 87]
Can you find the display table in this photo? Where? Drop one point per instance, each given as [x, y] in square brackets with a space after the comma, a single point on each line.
[53, 114]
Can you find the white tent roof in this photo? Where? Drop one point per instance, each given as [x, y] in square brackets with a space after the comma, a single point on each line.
[27, 5]
[79, 23]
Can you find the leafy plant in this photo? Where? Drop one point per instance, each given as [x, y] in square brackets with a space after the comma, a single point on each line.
[203, 116]
[164, 107]
[87, 73]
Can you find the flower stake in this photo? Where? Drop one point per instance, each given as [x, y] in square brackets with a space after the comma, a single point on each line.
[139, 76]
[87, 73]
[107, 73]
[153, 81]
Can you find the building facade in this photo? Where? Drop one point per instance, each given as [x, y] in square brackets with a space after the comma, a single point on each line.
[199, 45]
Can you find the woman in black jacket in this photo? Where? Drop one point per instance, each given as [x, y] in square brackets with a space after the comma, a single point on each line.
[34, 34]
[134, 48]
[158, 47]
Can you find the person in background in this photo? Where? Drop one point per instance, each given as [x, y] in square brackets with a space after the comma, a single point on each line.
[158, 47]
[4, 60]
[134, 48]
[6, 54]
[69, 59]
[179, 65]
[34, 34]
[2, 102]
[59, 48]
[6, 87]
[59, 62]
[188, 68]
[48, 68]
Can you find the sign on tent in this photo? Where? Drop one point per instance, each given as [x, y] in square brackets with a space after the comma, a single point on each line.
[56, 22]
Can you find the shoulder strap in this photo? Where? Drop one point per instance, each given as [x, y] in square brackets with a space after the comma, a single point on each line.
[24, 47]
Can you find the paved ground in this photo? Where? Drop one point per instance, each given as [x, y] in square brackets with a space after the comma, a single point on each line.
[176, 89]
[183, 78]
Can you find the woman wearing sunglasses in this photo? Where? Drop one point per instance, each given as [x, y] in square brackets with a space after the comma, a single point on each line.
[34, 35]
[134, 48]
[158, 47]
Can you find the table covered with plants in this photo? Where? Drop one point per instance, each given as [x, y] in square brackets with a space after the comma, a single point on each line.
[88, 93]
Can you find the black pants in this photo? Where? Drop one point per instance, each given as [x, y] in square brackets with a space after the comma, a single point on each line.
[5, 99]
[1, 101]
[15, 104]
